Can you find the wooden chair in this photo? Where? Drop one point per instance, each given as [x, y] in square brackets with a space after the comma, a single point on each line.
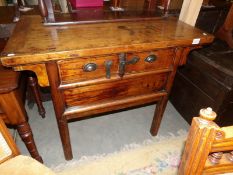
[12, 111]
[208, 148]
[11, 162]
[8, 148]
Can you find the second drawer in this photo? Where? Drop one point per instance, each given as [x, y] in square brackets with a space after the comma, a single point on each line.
[120, 89]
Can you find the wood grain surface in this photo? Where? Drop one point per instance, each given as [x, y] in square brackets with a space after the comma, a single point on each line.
[32, 42]
[59, 55]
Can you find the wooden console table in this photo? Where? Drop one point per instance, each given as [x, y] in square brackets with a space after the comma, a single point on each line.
[96, 68]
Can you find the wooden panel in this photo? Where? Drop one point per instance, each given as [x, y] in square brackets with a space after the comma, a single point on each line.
[164, 60]
[87, 110]
[8, 79]
[39, 70]
[207, 84]
[116, 90]
[198, 145]
[72, 71]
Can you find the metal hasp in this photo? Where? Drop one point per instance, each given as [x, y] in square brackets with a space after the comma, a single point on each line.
[108, 65]
[123, 63]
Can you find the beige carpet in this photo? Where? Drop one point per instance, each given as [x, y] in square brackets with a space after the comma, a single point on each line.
[158, 156]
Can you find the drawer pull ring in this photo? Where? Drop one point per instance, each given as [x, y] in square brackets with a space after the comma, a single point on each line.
[151, 58]
[90, 67]
[108, 65]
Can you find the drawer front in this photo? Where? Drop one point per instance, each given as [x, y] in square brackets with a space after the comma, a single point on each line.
[73, 71]
[105, 92]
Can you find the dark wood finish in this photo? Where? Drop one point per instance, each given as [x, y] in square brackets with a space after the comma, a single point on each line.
[206, 80]
[33, 84]
[7, 13]
[210, 19]
[225, 32]
[13, 111]
[144, 54]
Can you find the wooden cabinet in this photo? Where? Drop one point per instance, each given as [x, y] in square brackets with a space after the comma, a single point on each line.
[103, 67]
[206, 81]
[114, 79]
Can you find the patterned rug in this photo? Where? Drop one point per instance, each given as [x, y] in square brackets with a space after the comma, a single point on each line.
[160, 156]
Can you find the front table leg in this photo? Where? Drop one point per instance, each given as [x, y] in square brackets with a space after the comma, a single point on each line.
[160, 107]
[59, 108]
[180, 54]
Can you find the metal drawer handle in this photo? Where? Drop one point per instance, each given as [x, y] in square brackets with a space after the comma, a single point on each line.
[151, 58]
[90, 67]
[134, 60]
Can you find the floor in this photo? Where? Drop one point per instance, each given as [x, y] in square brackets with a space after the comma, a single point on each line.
[99, 135]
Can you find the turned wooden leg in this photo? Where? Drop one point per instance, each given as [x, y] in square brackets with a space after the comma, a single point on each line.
[160, 107]
[36, 93]
[26, 135]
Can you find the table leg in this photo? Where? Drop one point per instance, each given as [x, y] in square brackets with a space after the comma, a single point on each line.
[160, 107]
[36, 94]
[18, 117]
[180, 54]
[59, 108]
[26, 135]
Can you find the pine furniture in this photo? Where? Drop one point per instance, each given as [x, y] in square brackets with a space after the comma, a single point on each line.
[208, 148]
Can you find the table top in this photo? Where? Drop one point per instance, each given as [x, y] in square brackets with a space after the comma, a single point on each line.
[32, 42]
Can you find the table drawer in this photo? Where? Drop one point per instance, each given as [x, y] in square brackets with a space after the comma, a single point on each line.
[120, 89]
[73, 71]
